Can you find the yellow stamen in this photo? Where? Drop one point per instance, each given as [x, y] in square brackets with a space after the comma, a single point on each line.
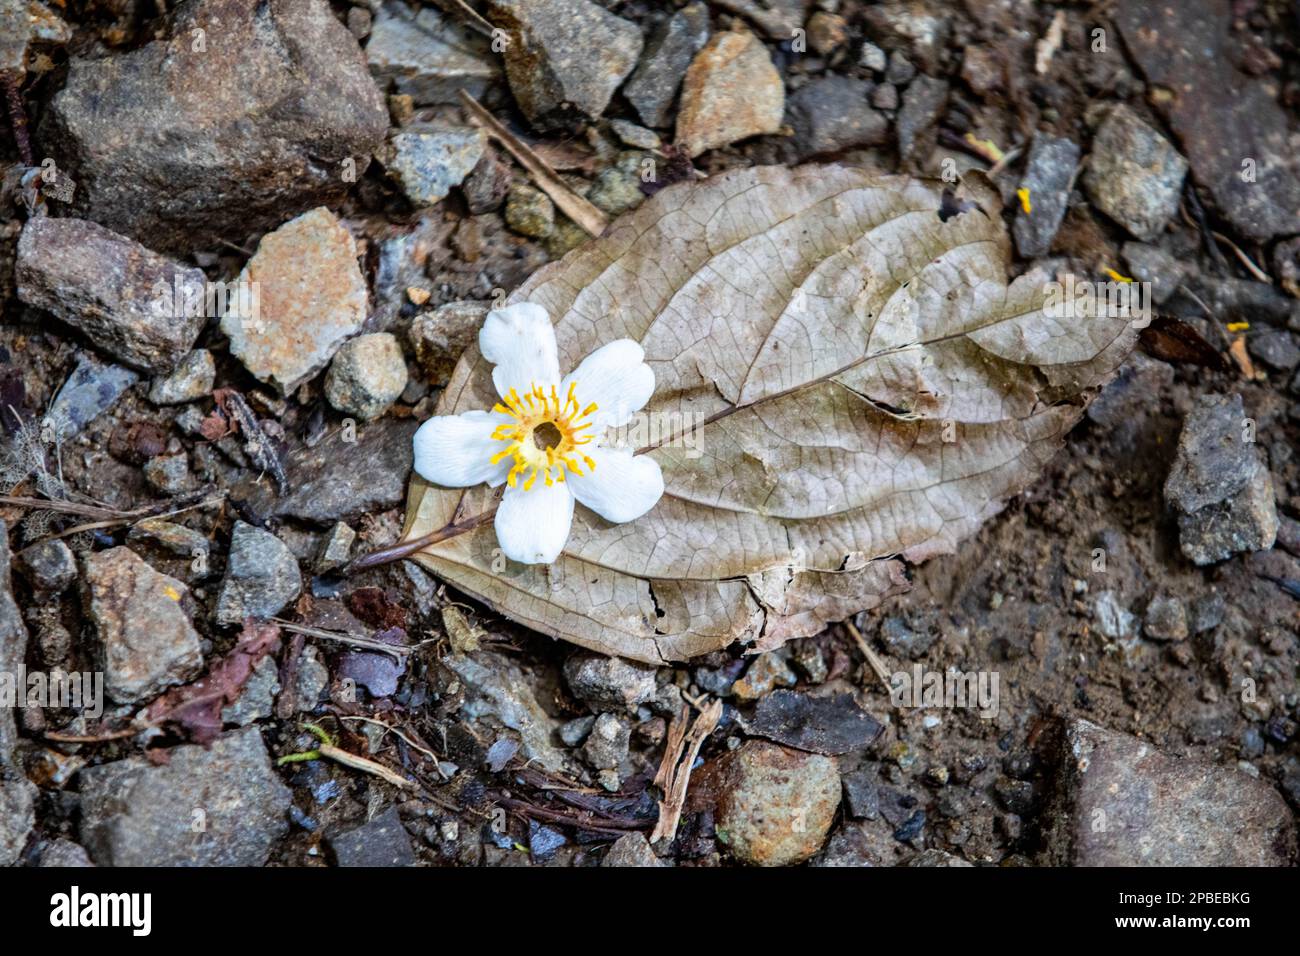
[553, 458]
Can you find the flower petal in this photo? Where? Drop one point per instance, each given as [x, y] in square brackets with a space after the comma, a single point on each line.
[621, 487]
[520, 341]
[533, 525]
[617, 379]
[456, 450]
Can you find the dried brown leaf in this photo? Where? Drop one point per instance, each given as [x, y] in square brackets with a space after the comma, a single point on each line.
[870, 387]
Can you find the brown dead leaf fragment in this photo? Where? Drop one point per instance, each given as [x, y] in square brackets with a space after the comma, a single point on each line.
[194, 710]
[843, 378]
[833, 724]
[1176, 342]
[674, 774]
[377, 609]
[258, 446]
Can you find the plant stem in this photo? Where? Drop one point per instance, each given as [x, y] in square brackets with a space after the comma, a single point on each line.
[404, 549]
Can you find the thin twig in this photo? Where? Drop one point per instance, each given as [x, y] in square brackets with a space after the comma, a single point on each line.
[92, 739]
[873, 659]
[571, 204]
[342, 756]
[393, 730]
[396, 650]
[1244, 259]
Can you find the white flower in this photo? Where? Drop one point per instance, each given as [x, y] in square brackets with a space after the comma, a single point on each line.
[542, 440]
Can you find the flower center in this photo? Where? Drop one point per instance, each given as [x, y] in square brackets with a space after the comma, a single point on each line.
[544, 436]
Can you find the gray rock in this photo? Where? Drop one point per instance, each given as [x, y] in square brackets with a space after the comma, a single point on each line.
[1166, 619]
[810, 660]
[1114, 621]
[367, 375]
[262, 576]
[216, 806]
[859, 845]
[23, 26]
[269, 111]
[905, 640]
[191, 380]
[638, 137]
[17, 794]
[143, 621]
[175, 538]
[497, 690]
[565, 58]
[1275, 349]
[1122, 802]
[1120, 403]
[359, 22]
[257, 700]
[574, 732]
[873, 58]
[92, 389]
[607, 744]
[885, 97]
[1221, 116]
[486, 186]
[767, 671]
[381, 841]
[631, 849]
[169, 474]
[609, 683]
[441, 336]
[1207, 613]
[110, 288]
[935, 858]
[1219, 484]
[1049, 176]
[311, 299]
[64, 853]
[654, 84]
[427, 161]
[1134, 175]
[1148, 263]
[1288, 534]
[428, 56]
[900, 71]
[923, 104]
[920, 26]
[49, 566]
[1286, 265]
[336, 478]
[832, 114]
[336, 548]
[861, 794]
[313, 678]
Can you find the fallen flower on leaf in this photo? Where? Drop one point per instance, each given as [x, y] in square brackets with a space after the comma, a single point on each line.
[542, 440]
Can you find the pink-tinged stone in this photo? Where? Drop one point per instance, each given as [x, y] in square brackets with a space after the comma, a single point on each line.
[310, 297]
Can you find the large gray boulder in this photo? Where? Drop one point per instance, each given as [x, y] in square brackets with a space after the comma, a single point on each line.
[248, 112]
